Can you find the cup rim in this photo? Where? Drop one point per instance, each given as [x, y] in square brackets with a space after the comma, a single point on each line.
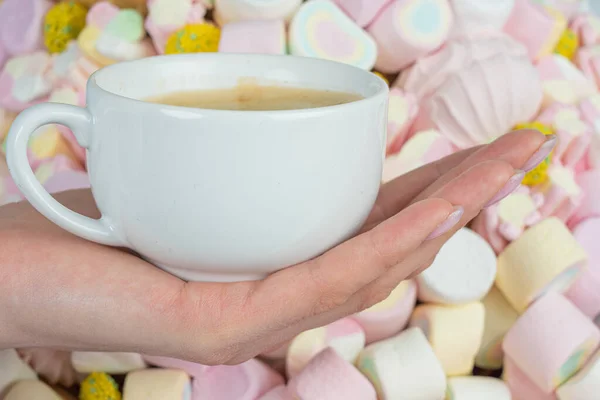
[382, 89]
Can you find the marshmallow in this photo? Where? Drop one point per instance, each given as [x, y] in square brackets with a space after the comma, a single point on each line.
[403, 367]
[99, 385]
[587, 28]
[562, 82]
[455, 333]
[545, 258]
[328, 376]
[345, 336]
[52, 365]
[422, 148]
[21, 24]
[280, 392]
[123, 38]
[67, 180]
[538, 28]
[551, 341]
[409, 29]
[139, 5]
[63, 23]
[111, 363]
[31, 389]
[390, 316]
[402, 111]
[585, 292]
[157, 384]
[568, 44]
[589, 182]
[47, 142]
[363, 12]
[47, 169]
[68, 95]
[499, 318]
[194, 38]
[463, 271]
[227, 11]
[569, 8]
[97, 19]
[562, 195]
[259, 37]
[192, 369]
[521, 387]
[320, 29]
[6, 120]
[23, 81]
[583, 385]
[475, 16]
[13, 370]
[476, 388]
[167, 16]
[246, 381]
[588, 60]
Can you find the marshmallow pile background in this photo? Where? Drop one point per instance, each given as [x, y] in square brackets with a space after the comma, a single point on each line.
[510, 308]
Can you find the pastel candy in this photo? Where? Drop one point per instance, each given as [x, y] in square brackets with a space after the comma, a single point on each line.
[122, 39]
[562, 194]
[585, 292]
[13, 370]
[551, 341]
[227, 11]
[31, 389]
[477, 388]
[47, 142]
[112, 363]
[562, 81]
[454, 332]
[23, 81]
[538, 28]
[259, 37]
[328, 376]
[363, 12]
[99, 385]
[157, 384]
[463, 271]
[422, 148]
[98, 18]
[587, 28]
[167, 16]
[473, 17]
[21, 24]
[52, 365]
[345, 336]
[403, 367]
[280, 392]
[246, 381]
[584, 384]
[409, 29]
[499, 318]
[6, 120]
[390, 316]
[521, 387]
[588, 60]
[68, 95]
[545, 258]
[589, 182]
[590, 110]
[67, 180]
[569, 8]
[320, 29]
[403, 108]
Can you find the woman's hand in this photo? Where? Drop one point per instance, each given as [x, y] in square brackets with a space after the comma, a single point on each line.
[57, 290]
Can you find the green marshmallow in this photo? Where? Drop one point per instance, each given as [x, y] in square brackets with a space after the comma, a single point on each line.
[128, 25]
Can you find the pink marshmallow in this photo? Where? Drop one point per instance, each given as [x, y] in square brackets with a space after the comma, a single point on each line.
[247, 381]
[328, 376]
[21, 24]
[587, 28]
[538, 28]
[588, 60]
[55, 166]
[562, 81]
[551, 341]
[589, 181]
[404, 32]
[258, 37]
[403, 108]
[278, 393]
[363, 12]
[67, 180]
[520, 386]
[345, 336]
[569, 8]
[24, 81]
[389, 317]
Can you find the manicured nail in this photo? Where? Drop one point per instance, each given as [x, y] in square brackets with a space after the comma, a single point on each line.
[508, 188]
[449, 223]
[541, 154]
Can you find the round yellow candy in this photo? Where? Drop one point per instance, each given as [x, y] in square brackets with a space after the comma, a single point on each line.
[63, 23]
[194, 38]
[568, 44]
[539, 174]
[379, 74]
[99, 386]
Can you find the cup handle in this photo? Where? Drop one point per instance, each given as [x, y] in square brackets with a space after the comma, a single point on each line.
[79, 120]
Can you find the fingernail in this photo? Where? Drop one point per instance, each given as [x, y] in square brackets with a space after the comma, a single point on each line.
[508, 188]
[541, 154]
[449, 223]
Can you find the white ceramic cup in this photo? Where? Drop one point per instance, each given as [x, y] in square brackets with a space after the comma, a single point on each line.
[217, 195]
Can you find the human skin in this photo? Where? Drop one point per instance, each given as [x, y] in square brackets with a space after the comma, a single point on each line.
[60, 291]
